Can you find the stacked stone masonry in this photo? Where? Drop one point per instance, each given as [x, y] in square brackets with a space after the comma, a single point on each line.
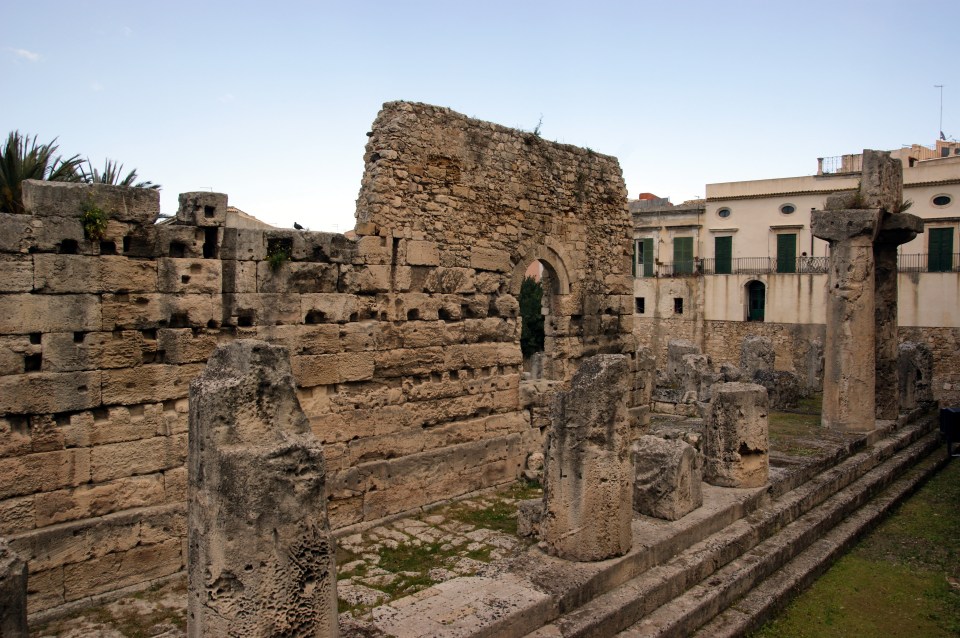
[404, 340]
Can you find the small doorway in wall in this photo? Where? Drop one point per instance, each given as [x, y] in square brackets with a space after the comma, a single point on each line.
[756, 300]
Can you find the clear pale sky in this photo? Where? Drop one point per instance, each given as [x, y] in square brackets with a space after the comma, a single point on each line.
[270, 102]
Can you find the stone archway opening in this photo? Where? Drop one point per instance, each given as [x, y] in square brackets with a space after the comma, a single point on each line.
[536, 296]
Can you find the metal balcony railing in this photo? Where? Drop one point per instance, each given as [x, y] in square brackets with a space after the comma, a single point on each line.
[925, 262]
[800, 265]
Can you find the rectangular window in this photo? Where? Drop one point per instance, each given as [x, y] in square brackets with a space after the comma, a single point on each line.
[787, 252]
[940, 249]
[678, 305]
[682, 255]
[643, 257]
[723, 255]
[640, 305]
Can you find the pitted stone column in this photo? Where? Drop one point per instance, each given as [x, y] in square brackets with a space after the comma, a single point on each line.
[588, 486]
[879, 224]
[849, 378]
[261, 561]
[13, 594]
[895, 229]
[736, 435]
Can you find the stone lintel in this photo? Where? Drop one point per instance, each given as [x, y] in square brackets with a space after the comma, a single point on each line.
[838, 225]
[899, 228]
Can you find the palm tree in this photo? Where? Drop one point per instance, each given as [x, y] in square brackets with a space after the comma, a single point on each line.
[21, 157]
[111, 175]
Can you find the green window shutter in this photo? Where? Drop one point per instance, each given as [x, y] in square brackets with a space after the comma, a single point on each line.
[787, 253]
[682, 255]
[940, 250]
[634, 261]
[723, 255]
[646, 256]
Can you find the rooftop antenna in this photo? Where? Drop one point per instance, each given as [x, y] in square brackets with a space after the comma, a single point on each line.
[940, 86]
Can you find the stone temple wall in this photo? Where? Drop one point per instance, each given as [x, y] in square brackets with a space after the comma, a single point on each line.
[404, 341]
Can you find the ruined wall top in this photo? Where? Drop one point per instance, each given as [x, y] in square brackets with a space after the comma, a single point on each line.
[491, 195]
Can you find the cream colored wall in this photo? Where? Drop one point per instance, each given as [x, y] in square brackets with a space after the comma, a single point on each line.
[929, 299]
[789, 298]
[753, 219]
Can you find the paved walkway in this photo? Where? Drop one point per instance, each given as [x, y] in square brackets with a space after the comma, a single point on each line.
[374, 567]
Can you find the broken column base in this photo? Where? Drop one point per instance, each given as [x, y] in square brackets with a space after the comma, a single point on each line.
[735, 443]
[668, 476]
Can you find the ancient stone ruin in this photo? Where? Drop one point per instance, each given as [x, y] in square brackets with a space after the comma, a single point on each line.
[588, 476]
[403, 340]
[261, 560]
[864, 230]
[667, 477]
[914, 373]
[736, 439]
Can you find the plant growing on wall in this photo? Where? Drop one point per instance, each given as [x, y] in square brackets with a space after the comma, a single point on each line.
[111, 174]
[531, 314]
[279, 252]
[94, 221]
[21, 157]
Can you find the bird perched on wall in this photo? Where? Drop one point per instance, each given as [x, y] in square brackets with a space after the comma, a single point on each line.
[297, 226]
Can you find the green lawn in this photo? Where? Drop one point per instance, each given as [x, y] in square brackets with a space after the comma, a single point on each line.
[903, 579]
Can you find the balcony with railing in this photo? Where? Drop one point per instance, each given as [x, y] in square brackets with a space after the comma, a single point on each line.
[801, 265]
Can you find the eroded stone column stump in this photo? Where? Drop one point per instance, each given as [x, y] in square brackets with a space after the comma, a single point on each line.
[13, 594]
[668, 477]
[588, 483]
[261, 560]
[735, 442]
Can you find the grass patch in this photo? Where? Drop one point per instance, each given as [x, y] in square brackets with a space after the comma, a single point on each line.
[789, 428]
[499, 516]
[903, 579]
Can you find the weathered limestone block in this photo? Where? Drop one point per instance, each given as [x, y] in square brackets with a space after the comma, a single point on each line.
[588, 477]
[49, 392]
[67, 199]
[16, 273]
[182, 276]
[490, 259]
[70, 351]
[676, 350]
[915, 372]
[730, 372]
[783, 387]
[756, 353]
[261, 560]
[696, 378]
[422, 253]
[13, 594]
[27, 313]
[202, 208]
[667, 477]
[881, 181]
[735, 446]
[294, 276]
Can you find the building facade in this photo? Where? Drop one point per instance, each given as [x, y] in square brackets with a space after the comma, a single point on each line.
[746, 256]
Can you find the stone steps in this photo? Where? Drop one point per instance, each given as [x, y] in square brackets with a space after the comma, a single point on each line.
[540, 596]
[775, 592]
[683, 593]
